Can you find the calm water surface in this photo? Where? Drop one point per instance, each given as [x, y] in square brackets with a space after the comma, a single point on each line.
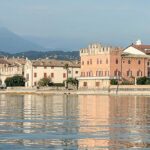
[74, 122]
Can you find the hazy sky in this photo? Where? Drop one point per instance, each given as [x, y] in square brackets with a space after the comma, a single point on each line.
[117, 22]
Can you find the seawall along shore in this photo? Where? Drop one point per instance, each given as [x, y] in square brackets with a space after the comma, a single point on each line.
[112, 90]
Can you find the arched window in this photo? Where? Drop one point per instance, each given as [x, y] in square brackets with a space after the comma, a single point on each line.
[129, 61]
[129, 73]
[139, 62]
[106, 61]
[116, 61]
[139, 73]
[100, 61]
[97, 61]
[90, 73]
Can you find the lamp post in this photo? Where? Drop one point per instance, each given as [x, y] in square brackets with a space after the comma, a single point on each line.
[135, 80]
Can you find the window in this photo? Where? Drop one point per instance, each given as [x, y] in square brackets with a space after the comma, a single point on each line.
[64, 75]
[115, 73]
[52, 75]
[35, 67]
[97, 73]
[82, 62]
[45, 67]
[85, 84]
[69, 72]
[27, 76]
[116, 61]
[90, 73]
[139, 73]
[76, 72]
[97, 61]
[106, 61]
[129, 61]
[139, 62]
[82, 74]
[52, 67]
[35, 75]
[129, 73]
[45, 75]
[91, 61]
[148, 73]
[101, 73]
[88, 62]
[87, 74]
[35, 83]
[100, 61]
[148, 63]
[97, 84]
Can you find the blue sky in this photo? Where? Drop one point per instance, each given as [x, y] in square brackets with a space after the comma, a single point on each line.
[72, 24]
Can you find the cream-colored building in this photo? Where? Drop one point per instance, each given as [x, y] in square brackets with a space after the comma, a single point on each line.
[9, 68]
[53, 69]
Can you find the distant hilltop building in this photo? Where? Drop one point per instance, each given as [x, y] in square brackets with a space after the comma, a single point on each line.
[100, 64]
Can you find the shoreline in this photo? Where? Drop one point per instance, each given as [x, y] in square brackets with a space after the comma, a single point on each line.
[124, 92]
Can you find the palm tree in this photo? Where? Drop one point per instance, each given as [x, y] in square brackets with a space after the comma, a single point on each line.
[67, 69]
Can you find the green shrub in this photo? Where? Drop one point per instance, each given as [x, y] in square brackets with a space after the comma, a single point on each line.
[148, 81]
[113, 82]
[72, 81]
[58, 84]
[15, 81]
[142, 80]
[44, 82]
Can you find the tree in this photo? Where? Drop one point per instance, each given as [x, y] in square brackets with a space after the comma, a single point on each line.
[72, 81]
[44, 82]
[141, 80]
[15, 81]
[113, 81]
[67, 69]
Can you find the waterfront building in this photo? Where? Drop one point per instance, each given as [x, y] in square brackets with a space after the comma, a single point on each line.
[50, 68]
[100, 64]
[136, 61]
[10, 67]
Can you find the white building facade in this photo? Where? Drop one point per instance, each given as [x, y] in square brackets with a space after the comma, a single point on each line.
[8, 68]
[53, 69]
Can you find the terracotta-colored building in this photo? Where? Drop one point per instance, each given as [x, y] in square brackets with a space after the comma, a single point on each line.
[100, 64]
[136, 61]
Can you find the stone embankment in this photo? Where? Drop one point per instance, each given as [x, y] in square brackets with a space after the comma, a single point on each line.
[112, 90]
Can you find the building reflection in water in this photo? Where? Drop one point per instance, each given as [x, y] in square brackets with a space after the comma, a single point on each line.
[114, 122]
[75, 122]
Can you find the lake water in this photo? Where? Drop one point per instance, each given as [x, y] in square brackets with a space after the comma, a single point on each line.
[74, 122]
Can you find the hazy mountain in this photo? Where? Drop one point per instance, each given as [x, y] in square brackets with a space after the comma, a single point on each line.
[63, 55]
[11, 42]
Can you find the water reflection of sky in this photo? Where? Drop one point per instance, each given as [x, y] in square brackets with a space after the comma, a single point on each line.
[74, 122]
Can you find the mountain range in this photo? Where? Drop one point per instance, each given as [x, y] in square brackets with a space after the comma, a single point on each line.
[62, 55]
[12, 44]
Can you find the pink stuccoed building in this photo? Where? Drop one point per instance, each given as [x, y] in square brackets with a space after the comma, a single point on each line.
[100, 64]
